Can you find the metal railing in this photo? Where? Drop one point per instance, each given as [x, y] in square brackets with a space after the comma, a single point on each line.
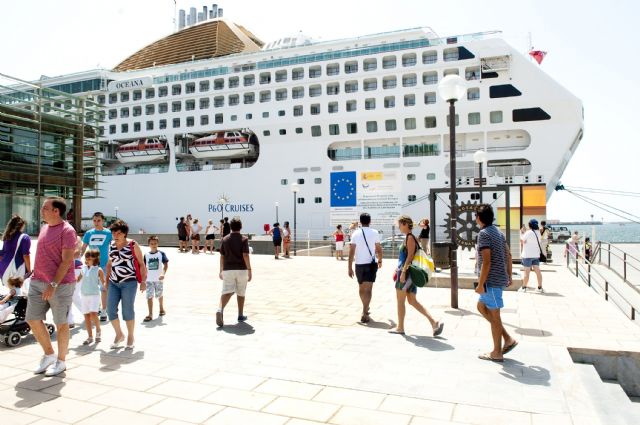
[628, 260]
[595, 280]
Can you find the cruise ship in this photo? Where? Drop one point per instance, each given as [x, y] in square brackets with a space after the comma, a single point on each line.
[212, 121]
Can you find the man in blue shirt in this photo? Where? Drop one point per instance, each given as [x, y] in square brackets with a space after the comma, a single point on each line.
[99, 238]
[494, 267]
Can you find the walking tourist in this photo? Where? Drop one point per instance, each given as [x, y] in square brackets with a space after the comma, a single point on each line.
[339, 238]
[52, 284]
[531, 255]
[405, 289]
[226, 228]
[425, 231]
[365, 248]
[494, 274]
[196, 228]
[276, 235]
[91, 280]
[99, 238]
[587, 249]
[209, 239]
[235, 270]
[155, 276]
[125, 270]
[15, 259]
[182, 235]
[544, 237]
[286, 239]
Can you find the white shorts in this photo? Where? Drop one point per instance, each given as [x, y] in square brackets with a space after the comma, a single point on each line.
[89, 304]
[235, 281]
[339, 246]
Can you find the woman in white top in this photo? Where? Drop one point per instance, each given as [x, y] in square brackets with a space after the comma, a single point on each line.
[531, 254]
[196, 228]
[210, 237]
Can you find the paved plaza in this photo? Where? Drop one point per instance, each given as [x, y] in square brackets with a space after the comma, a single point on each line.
[303, 358]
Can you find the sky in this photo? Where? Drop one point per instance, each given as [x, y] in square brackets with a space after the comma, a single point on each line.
[592, 51]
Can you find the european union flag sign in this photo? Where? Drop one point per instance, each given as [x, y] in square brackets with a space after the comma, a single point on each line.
[343, 189]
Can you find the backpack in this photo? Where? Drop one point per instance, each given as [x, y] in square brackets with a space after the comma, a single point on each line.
[12, 270]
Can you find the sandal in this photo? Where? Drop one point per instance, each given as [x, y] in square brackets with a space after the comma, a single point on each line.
[510, 347]
[396, 332]
[148, 319]
[438, 329]
[487, 356]
[162, 312]
[365, 318]
[88, 341]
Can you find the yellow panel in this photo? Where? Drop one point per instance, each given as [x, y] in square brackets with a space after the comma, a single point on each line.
[372, 175]
[502, 218]
[534, 196]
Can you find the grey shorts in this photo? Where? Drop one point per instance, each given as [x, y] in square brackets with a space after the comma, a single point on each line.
[60, 302]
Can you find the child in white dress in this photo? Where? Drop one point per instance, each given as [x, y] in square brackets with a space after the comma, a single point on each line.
[91, 282]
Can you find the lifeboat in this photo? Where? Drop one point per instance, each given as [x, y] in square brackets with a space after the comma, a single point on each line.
[143, 150]
[222, 145]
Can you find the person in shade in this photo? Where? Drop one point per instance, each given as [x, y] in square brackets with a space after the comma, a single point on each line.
[494, 271]
[366, 250]
[16, 247]
[235, 270]
[52, 284]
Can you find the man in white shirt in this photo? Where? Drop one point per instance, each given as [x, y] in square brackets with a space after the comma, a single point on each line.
[365, 247]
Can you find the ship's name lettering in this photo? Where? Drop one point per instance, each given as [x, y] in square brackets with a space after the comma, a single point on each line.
[231, 208]
[130, 84]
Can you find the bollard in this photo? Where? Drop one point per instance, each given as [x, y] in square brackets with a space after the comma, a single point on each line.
[625, 267]
[606, 291]
[589, 275]
[577, 266]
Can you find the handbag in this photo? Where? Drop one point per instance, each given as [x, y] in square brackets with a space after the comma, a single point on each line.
[136, 264]
[12, 270]
[421, 266]
[543, 258]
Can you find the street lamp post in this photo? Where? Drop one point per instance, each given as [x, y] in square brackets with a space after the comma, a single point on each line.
[295, 188]
[222, 202]
[277, 205]
[452, 88]
[116, 208]
[480, 157]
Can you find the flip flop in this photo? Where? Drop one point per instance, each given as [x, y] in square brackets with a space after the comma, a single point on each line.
[147, 319]
[487, 356]
[396, 332]
[437, 331]
[510, 347]
[162, 313]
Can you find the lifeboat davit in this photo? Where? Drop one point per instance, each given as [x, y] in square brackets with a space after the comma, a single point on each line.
[222, 144]
[143, 150]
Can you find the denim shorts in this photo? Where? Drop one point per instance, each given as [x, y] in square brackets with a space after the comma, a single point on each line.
[528, 262]
[125, 292]
[492, 298]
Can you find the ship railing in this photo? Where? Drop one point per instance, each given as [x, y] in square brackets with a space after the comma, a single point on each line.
[626, 263]
[584, 270]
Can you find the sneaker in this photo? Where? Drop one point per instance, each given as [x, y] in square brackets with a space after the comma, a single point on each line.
[219, 320]
[88, 341]
[242, 318]
[523, 289]
[45, 362]
[56, 369]
[540, 290]
[103, 316]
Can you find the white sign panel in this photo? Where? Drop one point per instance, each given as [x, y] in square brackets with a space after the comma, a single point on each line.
[134, 83]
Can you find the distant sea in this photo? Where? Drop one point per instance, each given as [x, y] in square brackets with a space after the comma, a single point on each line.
[611, 232]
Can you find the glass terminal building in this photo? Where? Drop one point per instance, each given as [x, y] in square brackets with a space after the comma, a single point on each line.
[48, 147]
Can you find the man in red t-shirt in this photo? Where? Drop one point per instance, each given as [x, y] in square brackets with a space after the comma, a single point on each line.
[52, 284]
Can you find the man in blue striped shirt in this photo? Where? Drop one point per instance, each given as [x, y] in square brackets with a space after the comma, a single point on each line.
[494, 265]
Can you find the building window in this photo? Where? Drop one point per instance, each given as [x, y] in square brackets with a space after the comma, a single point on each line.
[352, 128]
[113, 113]
[248, 116]
[430, 98]
[137, 94]
[204, 85]
[112, 129]
[136, 126]
[204, 103]
[389, 62]
[315, 131]
[315, 72]
[390, 102]
[249, 98]
[136, 111]
[409, 123]
[317, 200]
[473, 93]
[204, 119]
[450, 54]
[149, 125]
[298, 130]
[409, 59]
[218, 84]
[370, 104]
[334, 129]
[333, 88]
[163, 108]
[372, 126]
[163, 91]
[265, 96]
[218, 101]
[370, 64]
[389, 82]
[265, 78]
[429, 78]
[176, 89]
[474, 118]
[284, 182]
[266, 133]
[300, 181]
[451, 71]
[234, 100]
[411, 198]
[409, 80]
[390, 125]
[281, 94]
[333, 107]
[431, 176]
[430, 122]
[352, 105]
[124, 96]
[351, 67]
[283, 132]
[430, 57]
[265, 115]
[190, 105]
[234, 118]
[249, 80]
[113, 98]
[176, 106]
[351, 86]
[297, 92]
[297, 111]
[150, 93]
[317, 180]
[176, 122]
[281, 76]
[234, 82]
[457, 118]
[101, 99]
[333, 69]
[370, 84]
[162, 124]
[149, 109]
[124, 112]
[218, 118]
[315, 90]
[315, 109]
[281, 113]
[296, 74]
[495, 117]
[411, 177]
[124, 128]
[409, 100]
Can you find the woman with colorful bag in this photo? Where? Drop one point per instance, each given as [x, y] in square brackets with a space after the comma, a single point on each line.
[125, 269]
[405, 289]
[15, 260]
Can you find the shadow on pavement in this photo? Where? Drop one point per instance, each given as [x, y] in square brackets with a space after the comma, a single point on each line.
[154, 323]
[430, 343]
[379, 325]
[26, 390]
[240, 329]
[528, 375]
[533, 332]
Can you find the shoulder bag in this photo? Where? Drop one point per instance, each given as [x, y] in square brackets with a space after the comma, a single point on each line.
[543, 257]
[136, 264]
[12, 270]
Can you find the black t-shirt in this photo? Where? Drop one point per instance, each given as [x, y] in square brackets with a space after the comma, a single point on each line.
[226, 228]
[424, 233]
[182, 229]
[233, 247]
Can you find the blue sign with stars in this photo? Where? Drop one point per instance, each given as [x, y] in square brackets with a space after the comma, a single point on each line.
[343, 189]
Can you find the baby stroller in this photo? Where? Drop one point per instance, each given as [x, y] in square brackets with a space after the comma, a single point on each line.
[13, 329]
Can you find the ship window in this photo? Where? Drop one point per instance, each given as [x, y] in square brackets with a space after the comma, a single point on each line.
[283, 131]
[530, 114]
[298, 130]
[248, 116]
[411, 177]
[249, 98]
[281, 94]
[204, 119]
[281, 76]
[409, 123]
[351, 67]
[163, 91]
[190, 105]
[315, 71]
[163, 108]
[112, 129]
[389, 82]
[316, 131]
[124, 96]
[300, 181]
[431, 176]
[176, 122]
[113, 113]
[301, 200]
[234, 82]
[218, 118]
[124, 112]
[234, 99]
[333, 107]
[429, 57]
[149, 125]
[317, 180]
[370, 104]
[389, 62]
[297, 111]
[162, 124]
[495, 117]
[218, 101]
[473, 93]
[370, 84]
[176, 89]
[351, 86]
[457, 118]
[315, 90]
[409, 99]
[429, 78]
[390, 102]
[315, 109]
[204, 85]
[409, 80]
[372, 126]
[450, 71]
[296, 74]
[249, 80]
[284, 182]
[204, 103]
[390, 125]
[233, 118]
[474, 118]
[136, 111]
[352, 105]
[218, 84]
[430, 98]
[190, 88]
[334, 129]
[265, 78]
[297, 92]
[101, 99]
[149, 109]
[176, 106]
[333, 69]
[124, 128]
[503, 90]
[265, 115]
[370, 64]
[333, 88]
[317, 200]
[472, 73]
[409, 59]
[190, 121]
[352, 128]
[450, 54]
[411, 198]
[266, 133]
[265, 96]
[137, 94]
